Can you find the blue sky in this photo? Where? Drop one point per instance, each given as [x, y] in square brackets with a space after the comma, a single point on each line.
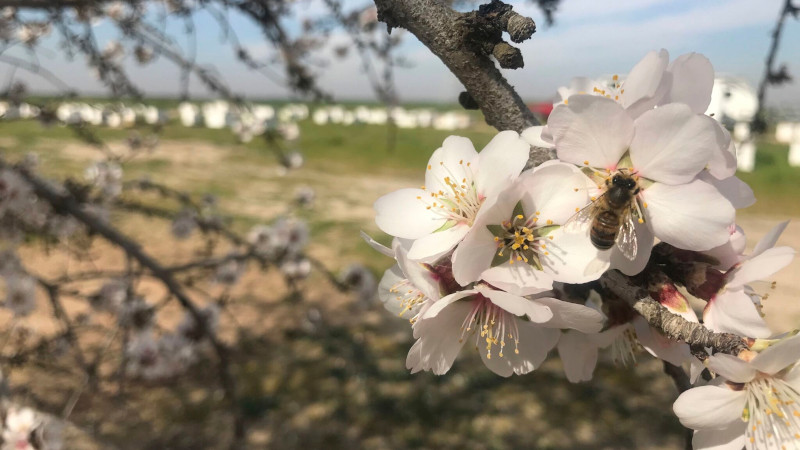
[590, 38]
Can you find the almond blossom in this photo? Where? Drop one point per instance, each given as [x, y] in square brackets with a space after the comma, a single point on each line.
[459, 184]
[752, 404]
[515, 234]
[664, 150]
[512, 333]
[20, 424]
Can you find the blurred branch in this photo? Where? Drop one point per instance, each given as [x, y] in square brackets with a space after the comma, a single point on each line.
[773, 76]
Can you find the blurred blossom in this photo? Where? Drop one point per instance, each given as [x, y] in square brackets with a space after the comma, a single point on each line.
[368, 17]
[290, 235]
[296, 268]
[136, 313]
[110, 297]
[229, 271]
[184, 223]
[189, 329]
[359, 279]
[116, 10]
[304, 196]
[113, 50]
[106, 176]
[143, 54]
[291, 161]
[29, 33]
[20, 293]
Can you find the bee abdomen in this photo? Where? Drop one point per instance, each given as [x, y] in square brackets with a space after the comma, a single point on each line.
[604, 230]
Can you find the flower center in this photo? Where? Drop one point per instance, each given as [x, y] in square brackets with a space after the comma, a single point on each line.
[407, 295]
[521, 239]
[495, 325]
[459, 201]
[772, 413]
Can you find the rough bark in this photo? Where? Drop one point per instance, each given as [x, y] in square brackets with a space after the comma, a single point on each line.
[450, 35]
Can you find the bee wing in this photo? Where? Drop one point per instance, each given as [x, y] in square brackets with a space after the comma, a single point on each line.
[626, 239]
[581, 218]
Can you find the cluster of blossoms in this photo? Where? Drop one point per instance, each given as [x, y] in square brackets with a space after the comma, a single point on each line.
[643, 183]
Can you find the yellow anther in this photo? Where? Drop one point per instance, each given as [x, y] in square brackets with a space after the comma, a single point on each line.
[520, 216]
[586, 163]
[641, 220]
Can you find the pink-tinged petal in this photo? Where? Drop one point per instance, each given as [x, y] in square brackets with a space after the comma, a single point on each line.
[723, 159]
[729, 438]
[659, 345]
[473, 255]
[736, 191]
[779, 356]
[761, 267]
[555, 190]
[517, 305]
[731, 368]
[770, 239]
[403, 213]
[692, 216]
[572, 315]
[669, 297]
[534, 344]
[578, 356]
[645, 240]
[455, 159]
[519, 279]
[416, 273]
[672, 144]
[380, 248]
[572, 258]
[439, 340]
[646, 83]
[533, 136]
[591, 130]
[734, 312]
[692, 80]
[435, 245]
[710, 407]
[501, 161]
[439, 305]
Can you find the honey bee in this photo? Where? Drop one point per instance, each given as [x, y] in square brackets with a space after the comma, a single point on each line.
[612, 215]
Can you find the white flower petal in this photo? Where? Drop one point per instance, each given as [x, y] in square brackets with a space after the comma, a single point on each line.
[533, 136]
[736, 191]
[572, 257]
[390, 279]
[380, 248]
[591, 129]
[517, 305]
[770, 239]
[779, 356]
[729, 438]
[555, 190]
[645, 84]
[439, 340]
[572, 315]
[672, 144]
[500, 161]
[706, 407]
[451, 160]
[761, 267]
[731, 368]
[692, 80]
[416, 273]
[734, 312]
[693, 216]
[473, 255]
[730, 253]
[439, 305]
[519, 279]
[723, 159]
[578, 356]
[401, 213]
[534, 344]
[435, 245]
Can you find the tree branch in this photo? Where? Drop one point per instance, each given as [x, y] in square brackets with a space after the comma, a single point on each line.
[450, 35]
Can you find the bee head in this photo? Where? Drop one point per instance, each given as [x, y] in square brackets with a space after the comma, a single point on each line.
[623, 182]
